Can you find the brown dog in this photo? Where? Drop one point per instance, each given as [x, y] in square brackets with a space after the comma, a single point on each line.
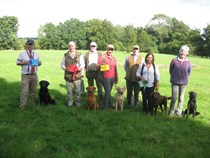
[119, 98]
[157, 99]
[91, 99]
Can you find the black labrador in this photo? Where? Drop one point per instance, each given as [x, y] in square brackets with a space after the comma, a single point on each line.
[44, 96]
[191, 106]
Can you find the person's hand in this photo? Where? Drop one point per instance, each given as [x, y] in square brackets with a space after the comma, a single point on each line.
[97, 66]
[79, 68]
[156, 88]
[25, 62]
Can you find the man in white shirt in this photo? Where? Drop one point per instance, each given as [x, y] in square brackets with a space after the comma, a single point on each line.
[29, 61]
[92, 69]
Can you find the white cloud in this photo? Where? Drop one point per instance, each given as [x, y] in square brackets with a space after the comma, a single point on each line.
[32, 14]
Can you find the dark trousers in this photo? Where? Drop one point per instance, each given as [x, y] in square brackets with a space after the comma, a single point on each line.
[107, 84]
[93, 75]
[147, 106]
[132, 86]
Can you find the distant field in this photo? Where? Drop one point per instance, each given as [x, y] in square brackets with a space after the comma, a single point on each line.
[60, 131]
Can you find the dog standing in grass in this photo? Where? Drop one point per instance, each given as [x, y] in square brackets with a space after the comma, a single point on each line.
[91, 98]
[158, 100]
[119, 98]
[191, 106]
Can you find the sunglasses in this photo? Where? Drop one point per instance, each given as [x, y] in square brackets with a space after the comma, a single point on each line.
[92, 46]
[110, 49]
[182, 54]
[135, 49]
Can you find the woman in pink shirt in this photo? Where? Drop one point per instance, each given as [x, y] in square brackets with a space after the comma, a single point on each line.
[110, 76]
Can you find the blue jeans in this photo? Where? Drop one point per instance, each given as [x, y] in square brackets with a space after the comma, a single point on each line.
[177, 90]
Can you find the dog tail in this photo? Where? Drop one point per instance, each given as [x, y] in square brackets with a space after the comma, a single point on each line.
[168, 98]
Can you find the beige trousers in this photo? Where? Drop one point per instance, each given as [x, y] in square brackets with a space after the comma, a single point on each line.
[29, 85]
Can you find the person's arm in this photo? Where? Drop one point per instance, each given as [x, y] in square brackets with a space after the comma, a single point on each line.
[157, 73]
[39, 61]
[138, 72]
[126, 64]
[63, 64]
[21, 61]
[82, 64]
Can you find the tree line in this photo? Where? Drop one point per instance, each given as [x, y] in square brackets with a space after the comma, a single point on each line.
[162, 34]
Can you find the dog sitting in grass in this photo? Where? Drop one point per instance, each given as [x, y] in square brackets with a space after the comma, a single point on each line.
[191, 106]
[158, 100]
[91, 98]
[44, 95]
[119, 98]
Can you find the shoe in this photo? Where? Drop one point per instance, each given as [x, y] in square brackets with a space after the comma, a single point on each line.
[170, 115]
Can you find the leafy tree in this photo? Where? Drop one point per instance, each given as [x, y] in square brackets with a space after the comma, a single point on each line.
[160, 27]
[8, 33]
[130, 37]
[73, 30]
[206, 43]
[145, 41]
[48, 37]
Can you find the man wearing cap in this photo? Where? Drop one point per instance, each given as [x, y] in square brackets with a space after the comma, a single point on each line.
[110, 75]
[92, 69]
[131, 65]
[28, 60]
[73, 65]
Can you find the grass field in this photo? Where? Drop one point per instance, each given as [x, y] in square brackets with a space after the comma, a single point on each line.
[63, 132]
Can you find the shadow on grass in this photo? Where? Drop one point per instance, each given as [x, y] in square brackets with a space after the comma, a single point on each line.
[60, 131]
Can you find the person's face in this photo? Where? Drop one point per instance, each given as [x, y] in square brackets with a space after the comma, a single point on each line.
[135, 50]
[72, 48]
[182, 55]
[93, 48]
[149, 59]
[109, 51]
[30, 46]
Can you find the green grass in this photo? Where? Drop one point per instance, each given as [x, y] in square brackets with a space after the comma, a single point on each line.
[61, 132]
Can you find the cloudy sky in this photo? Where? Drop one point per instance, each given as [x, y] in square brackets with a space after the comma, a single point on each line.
[32, 14]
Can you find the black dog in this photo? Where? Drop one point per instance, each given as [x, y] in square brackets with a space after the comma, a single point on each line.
[191, 106]
[44, 96]
[158, 100]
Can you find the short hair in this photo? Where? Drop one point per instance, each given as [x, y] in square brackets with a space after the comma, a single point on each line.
[184, 49]
[72, 43]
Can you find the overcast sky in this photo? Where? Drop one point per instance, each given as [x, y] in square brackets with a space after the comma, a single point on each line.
[32, 14]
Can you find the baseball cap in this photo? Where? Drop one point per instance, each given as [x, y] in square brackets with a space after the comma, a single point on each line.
[110, 46]
[135, 46]
[30, 41]
[93, 44]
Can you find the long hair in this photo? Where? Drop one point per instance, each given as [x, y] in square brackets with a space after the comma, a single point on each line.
[153, 57]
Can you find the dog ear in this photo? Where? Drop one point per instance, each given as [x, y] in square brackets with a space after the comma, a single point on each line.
[87, 88]
[40, 82]
[48, 83]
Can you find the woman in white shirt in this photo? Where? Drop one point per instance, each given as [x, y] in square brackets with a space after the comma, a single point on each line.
[148, 74]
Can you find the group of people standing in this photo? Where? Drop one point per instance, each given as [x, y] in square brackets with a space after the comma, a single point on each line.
[141, 74]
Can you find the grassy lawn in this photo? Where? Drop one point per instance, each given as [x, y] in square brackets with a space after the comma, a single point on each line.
[63, 132]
